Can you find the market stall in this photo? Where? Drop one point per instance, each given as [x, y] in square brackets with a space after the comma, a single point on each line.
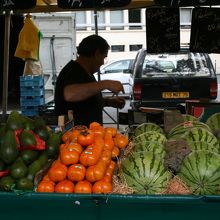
[8, 7]
[152, 199]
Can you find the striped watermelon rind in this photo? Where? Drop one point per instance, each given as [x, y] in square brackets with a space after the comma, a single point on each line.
[150, 136]
[145, 127]
[182, 128]
[199, 138]
[153, 146]
[188, 117]
[214, 122]
[145, 173]
[200, 171]
[202, 145]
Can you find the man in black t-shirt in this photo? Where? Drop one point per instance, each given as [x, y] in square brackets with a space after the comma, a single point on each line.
[77, 89]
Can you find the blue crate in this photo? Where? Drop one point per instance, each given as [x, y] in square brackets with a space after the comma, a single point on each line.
[32, 91]
[29, 110]
[31, 80]
[32, 101]
[29, 113]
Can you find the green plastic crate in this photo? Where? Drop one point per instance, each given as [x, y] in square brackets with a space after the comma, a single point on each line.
[54, 206]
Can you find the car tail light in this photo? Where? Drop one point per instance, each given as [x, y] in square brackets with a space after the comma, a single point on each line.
[137, 91]
[213, 89]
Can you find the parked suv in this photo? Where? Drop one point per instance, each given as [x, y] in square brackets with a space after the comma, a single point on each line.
[166, 80]
[117, 70]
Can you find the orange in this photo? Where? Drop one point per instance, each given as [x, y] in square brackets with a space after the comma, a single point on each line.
[111, 130]
[64, 186]
[76, 172]
[83, 186]
[121, 140]
[57, 172]
[69, 156]
[46, 186]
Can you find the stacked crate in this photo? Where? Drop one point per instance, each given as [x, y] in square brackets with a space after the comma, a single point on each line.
[31, 94]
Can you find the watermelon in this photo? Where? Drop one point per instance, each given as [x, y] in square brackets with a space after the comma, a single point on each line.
[199, 138]
[214, 122]
[187, 117]
[145, 173]
[153, 146]
[150, 136]
[200, 171]
[180, 129]
[145, 127]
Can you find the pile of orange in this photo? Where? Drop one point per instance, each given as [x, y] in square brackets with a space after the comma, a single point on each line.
[86, 161]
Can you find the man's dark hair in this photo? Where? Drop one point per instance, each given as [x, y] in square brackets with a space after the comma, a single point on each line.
[90, 44]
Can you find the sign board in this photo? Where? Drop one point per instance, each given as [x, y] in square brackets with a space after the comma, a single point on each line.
[17, 4]
[163, 30]
[184, 3]
[205, 30]
[74, 4]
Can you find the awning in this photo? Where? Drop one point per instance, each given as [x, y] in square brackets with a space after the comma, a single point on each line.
[38, 6]
[52, 6]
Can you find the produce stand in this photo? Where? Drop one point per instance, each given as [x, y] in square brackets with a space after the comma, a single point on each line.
[130, 207]
[114, 206]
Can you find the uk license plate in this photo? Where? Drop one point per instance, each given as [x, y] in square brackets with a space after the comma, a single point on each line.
[175, 95]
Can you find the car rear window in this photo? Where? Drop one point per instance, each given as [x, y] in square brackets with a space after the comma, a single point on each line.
[179, 65]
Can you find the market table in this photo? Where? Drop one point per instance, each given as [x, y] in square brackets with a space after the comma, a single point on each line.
[93, 206]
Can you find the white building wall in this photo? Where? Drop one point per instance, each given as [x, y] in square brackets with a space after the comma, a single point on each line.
[128, 37]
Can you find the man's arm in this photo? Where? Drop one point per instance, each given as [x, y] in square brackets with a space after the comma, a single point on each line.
[80, 92]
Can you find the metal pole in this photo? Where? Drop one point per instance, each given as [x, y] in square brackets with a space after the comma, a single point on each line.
[99, 78]
[6, 63]
[96, 21]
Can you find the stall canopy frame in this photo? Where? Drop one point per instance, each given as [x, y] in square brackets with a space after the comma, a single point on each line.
[44, 6]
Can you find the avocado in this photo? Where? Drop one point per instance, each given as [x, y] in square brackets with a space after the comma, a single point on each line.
[2, 131]
[28, 156]
[2, 165]
[27, 139]
[28, 123]
[6, 183]
[43, 158]
[42, 132]
[39, 121]
[18, 170]
[52, 145]
[34, 167]
[24, 184]
[8, 148]
[14, 121]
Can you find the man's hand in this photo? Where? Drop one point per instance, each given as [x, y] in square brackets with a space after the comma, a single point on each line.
[115, 101]
[113, 85]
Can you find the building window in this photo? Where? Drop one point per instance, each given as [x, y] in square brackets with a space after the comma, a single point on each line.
[117, 48]
[135, 47]
[100, 20]
[116, 20]
[134, 19]
[81, 20]
[185, 17]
